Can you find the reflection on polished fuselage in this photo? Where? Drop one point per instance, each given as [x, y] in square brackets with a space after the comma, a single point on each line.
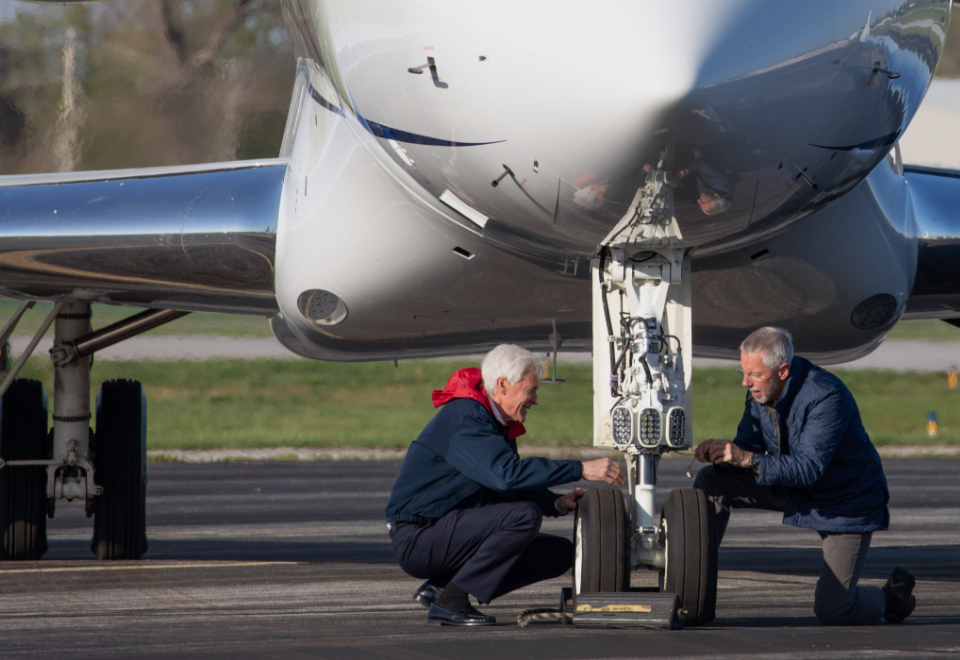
[768, 115]
[779, 109]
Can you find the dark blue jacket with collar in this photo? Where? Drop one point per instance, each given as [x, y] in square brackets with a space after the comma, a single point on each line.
[824, 463]
[463, 458]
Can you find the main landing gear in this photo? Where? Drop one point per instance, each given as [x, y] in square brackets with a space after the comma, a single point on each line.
[107, 469]
[642, 335]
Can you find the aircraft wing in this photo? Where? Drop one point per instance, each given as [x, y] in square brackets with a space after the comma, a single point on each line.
[193, 238]
[936, 289]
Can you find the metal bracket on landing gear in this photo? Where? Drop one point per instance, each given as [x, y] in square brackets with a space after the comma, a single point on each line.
[69, 487]
[642, 321]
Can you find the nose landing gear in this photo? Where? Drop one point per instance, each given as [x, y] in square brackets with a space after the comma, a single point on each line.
[642, 320]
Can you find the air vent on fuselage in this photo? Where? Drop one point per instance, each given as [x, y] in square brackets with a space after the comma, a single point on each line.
[463, 253]
[761, 253]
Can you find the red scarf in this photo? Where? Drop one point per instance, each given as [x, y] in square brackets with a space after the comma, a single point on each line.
[468, 384]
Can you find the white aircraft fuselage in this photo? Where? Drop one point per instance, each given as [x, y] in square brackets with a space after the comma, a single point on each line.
[782, 110]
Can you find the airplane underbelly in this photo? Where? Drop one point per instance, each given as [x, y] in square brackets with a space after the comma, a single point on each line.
[369, 268]
[777, 109]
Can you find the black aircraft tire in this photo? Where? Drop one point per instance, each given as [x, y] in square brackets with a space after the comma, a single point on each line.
[120, 464]
[689, 526]
[601, 542]
[23, 490]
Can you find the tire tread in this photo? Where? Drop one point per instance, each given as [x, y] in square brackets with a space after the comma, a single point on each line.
[23, 490]
[601, 515]
[120, 460]
[691, 554]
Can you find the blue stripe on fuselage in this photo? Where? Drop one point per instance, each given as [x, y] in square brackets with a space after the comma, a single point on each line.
[315, 95]
[388, 133]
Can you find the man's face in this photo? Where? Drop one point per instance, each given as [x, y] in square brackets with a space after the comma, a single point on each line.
[707, 201]
[515, 400]
[765, 384]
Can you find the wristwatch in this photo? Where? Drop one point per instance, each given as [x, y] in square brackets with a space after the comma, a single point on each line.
[754, 461]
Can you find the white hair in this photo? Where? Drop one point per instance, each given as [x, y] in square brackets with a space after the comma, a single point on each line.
[511, 362]
[775, 346]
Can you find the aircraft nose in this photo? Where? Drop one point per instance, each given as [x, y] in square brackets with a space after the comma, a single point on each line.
[703, 82]
[765, 106]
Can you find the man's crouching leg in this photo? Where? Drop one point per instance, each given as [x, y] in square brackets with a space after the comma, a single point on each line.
[838, 600]
[545, 558]
[474, 550]
[734, 488]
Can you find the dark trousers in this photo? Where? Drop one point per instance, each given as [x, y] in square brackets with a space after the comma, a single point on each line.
[488, 551]
[838, 600]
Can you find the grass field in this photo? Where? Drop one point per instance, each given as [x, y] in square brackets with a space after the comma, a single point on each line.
[230, 325]
[302, 403]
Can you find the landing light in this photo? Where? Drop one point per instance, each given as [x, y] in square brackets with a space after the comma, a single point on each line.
[676, 427]
[649, 428]
[622, 426]
[321, 307]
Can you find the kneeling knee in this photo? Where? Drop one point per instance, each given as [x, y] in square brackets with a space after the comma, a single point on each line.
[831, 614]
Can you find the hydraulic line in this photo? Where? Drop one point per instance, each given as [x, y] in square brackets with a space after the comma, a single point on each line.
[128, 327]
[606, 317]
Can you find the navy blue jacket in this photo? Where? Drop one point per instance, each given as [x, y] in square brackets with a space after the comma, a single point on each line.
[824, 462]
[464, 459]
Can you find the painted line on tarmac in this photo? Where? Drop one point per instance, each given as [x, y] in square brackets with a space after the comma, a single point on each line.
[546, 451]
[141, 567]
[348, 454]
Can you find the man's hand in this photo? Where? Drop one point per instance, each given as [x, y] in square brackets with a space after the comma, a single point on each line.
[721, 452]
[603, 469]
[568, 502]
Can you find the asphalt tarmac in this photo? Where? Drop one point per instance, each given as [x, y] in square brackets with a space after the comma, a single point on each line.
[291, 560]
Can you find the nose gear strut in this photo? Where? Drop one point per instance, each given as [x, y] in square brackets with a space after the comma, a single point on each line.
[642, 376]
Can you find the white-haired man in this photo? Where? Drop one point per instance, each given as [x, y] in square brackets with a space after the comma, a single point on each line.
[802, 449]
[465, 511]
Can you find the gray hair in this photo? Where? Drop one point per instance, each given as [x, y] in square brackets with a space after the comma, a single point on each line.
[775, 345]
[511, 362]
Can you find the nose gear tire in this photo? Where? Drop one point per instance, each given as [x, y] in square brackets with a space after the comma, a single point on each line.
[689, 528]
[601, 542]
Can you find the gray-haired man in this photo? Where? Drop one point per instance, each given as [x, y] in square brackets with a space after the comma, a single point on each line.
[802, 449]
[465, 510]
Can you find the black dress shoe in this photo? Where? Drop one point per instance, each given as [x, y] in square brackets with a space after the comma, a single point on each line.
[465, 616]
[426, 594]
